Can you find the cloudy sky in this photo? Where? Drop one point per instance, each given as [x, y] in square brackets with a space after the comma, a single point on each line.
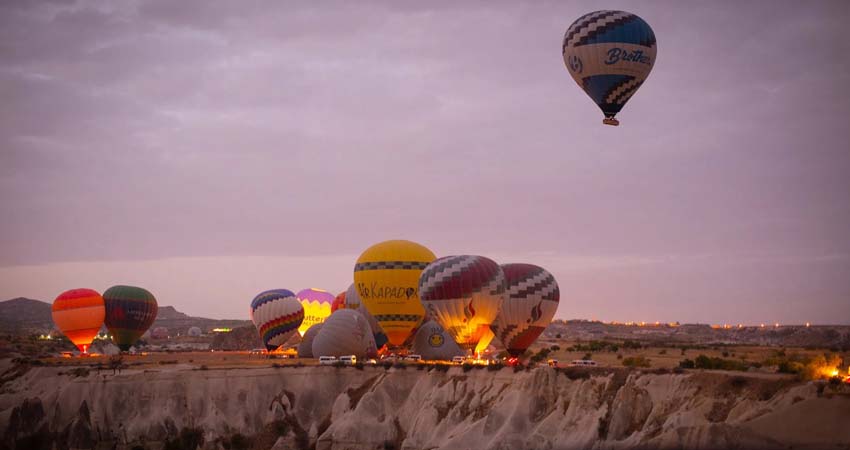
[211, 150]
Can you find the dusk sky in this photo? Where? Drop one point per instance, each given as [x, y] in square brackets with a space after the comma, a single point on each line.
[211, 150]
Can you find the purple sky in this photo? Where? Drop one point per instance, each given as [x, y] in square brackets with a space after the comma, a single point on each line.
[211, 150]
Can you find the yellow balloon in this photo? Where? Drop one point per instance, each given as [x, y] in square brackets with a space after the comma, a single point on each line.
[386, 277]
[317, 307]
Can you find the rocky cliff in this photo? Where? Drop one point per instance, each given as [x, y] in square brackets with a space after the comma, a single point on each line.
[377, 408]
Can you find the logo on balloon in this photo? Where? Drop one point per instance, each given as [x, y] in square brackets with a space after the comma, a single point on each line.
[617, 54]
[536, 312]
[436, 340]
[468, 311]
[575, 64]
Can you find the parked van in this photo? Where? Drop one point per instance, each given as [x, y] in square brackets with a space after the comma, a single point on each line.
[327, 360]
[348, 360]
[583, 362]
[414, 358]
[458, 360]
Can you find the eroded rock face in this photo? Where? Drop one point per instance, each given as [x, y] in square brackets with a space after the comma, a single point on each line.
[331, 408]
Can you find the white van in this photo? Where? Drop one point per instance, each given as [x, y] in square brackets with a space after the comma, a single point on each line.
[583, 362]
[458, 359]
[414, 358]
[348, 360]
[327, 360]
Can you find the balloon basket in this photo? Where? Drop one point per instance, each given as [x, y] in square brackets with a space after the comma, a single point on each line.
[611, 121]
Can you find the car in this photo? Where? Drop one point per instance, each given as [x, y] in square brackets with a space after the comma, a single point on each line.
[372, 362]
[414, 358]
[553, 363]
[458, 360]
[583, 362]
[513, 361]
[257, 351]
[327, 360]
[348, 360]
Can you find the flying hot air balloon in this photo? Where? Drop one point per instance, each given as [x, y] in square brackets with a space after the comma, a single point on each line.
[317, 307]
[277, 314]
[386, 277]
[130, 311]
[609, 54]
[532, 300]
[463, 294]
[79, 314]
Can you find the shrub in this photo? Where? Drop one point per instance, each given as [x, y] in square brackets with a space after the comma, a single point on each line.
[203, 367]
[725, 354]
[495, 367]
[587, 356]
[705, 362]
[467, 367]
[663, 351]
[555, 348]
[687, 364]
[358, 365]
[637, 361]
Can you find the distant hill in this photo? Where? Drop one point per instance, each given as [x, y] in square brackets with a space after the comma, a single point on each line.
[24, 315]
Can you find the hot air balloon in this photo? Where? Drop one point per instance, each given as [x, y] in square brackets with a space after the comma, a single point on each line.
[609, 54]
[339, 302]
[305, 347]
[79, 314]
[130, 311]
[277, 314]
[433, 343]
[345, 332]
[463, 294]
[386, 276]
[352, 301]
[531, 303]
[317, 307]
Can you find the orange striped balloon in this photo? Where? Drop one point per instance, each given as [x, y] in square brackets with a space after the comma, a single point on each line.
[79, 314]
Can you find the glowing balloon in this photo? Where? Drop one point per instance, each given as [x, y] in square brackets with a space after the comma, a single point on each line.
[345, 332]
[317, 307]
[79, 314]
[532, 300]
[130, 311]
[609, 54]
[463, 294]
[277, 314]
[387, 276]
[486, 339]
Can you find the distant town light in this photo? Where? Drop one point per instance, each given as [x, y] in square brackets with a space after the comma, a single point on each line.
[776, 325]
[221, 330]
[808, 324]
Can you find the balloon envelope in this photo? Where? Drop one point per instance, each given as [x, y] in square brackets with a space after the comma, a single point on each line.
[531, 303]
[305, 347]
[352, 301]
[277, 314]
[463, 294]
[609, 54]
[345, 332]
[79, 314]
[130, 311]
[339, 302]
[433, 343]
[386, 277]
[317, 307]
